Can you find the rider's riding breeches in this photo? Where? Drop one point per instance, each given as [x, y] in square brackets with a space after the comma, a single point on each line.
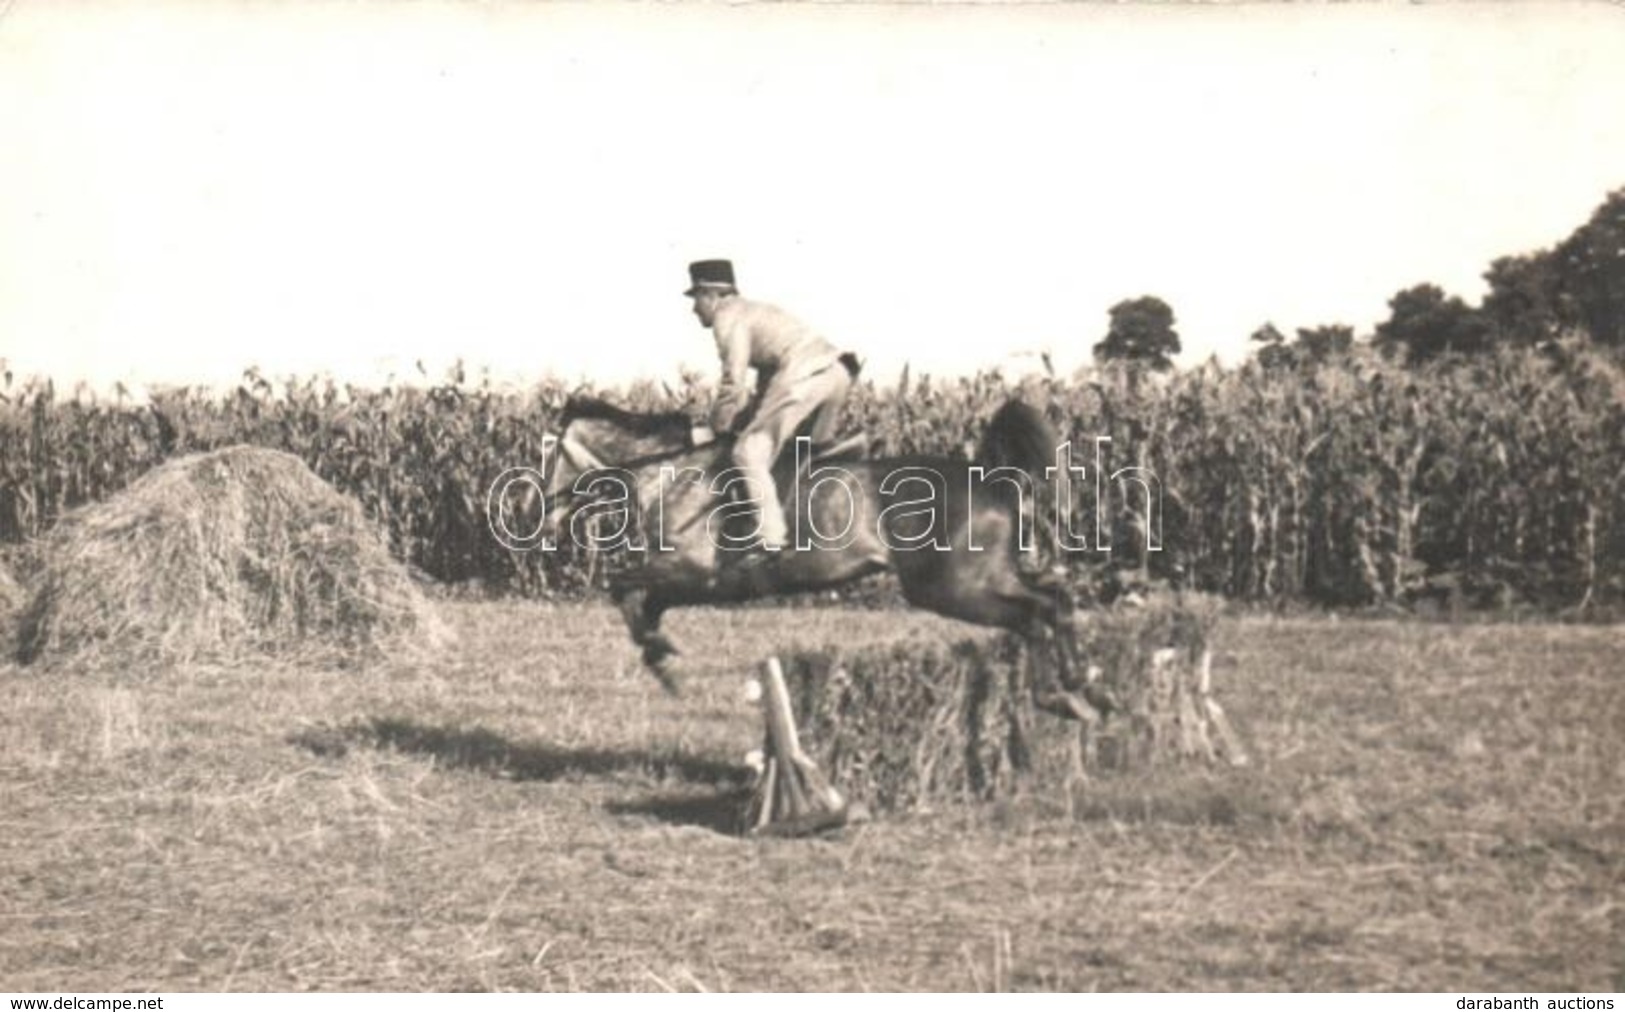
[781, 411]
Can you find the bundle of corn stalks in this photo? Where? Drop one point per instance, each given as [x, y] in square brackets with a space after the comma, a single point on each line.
[1152, 659]
[918, 723]
[11, 599]
[791, 797]
[219, 557]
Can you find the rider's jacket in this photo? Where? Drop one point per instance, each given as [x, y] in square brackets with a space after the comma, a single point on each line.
[778, 346]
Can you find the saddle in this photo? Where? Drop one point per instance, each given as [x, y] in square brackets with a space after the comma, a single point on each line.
[853, 447]
[848, 448]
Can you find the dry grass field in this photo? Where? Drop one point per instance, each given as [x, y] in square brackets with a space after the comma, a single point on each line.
[1431, 807]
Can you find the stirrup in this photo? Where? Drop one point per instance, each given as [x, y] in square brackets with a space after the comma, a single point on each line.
[756, 557]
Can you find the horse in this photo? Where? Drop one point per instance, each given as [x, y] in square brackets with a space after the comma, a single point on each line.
[949, 528]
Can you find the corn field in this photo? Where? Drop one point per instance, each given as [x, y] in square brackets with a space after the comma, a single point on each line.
[1486, 481]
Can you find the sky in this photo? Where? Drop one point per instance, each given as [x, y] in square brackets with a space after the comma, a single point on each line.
[191, 188]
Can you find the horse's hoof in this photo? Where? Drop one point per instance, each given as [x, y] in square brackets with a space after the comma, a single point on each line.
[657, 654]
[667, 680]
[1102, 699]
[1066, 706]
[656, 648]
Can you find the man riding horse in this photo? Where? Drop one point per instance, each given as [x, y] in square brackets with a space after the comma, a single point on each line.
[948, 527]
[801, 380]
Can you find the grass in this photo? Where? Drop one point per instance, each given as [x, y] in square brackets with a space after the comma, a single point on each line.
[1431, 808]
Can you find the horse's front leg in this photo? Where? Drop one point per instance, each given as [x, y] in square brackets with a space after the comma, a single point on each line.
[641, 606]
[658, 649]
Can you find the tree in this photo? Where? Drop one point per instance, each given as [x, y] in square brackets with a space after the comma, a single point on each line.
[1325, 343]
[1577, 286]
[1591, 273]
[1313, 346]
[1424, 324]
[1142, 333]
[1523, 303]
[1273, 352]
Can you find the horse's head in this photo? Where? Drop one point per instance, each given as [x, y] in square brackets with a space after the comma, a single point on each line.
[594, 436]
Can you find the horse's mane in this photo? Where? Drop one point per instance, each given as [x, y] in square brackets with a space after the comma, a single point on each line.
[642, 423]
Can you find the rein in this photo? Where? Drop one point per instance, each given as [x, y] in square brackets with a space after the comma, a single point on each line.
[585, 460]
[660, 457]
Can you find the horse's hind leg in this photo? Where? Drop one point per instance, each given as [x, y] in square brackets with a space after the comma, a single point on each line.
[1001, 598]
[1049, 623]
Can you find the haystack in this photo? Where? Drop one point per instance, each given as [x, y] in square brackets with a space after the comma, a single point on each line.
[919, 722]
[914, 723]
[220, 557]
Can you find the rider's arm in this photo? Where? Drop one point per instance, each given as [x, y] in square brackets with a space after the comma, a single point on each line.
[733, 347]
[764, 379]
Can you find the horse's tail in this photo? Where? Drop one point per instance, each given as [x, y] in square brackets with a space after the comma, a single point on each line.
[1019, 436]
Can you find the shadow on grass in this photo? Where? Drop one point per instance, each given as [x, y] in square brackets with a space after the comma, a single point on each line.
[486, 751]
[1178, 808]
[720, 811]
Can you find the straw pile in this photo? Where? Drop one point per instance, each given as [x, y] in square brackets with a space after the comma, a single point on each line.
[221, 557]
[920, 722]
[914, 723]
